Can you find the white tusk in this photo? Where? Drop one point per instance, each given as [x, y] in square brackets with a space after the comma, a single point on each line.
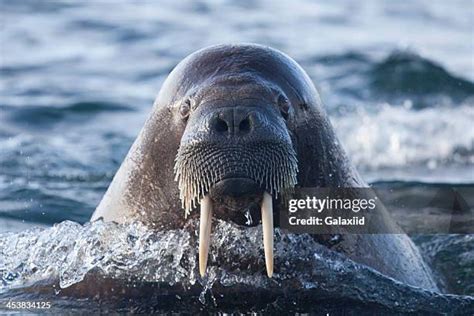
[204, 233]
[267, 226]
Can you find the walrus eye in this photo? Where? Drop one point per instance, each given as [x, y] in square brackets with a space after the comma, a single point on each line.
[185, 108]
[284, 106]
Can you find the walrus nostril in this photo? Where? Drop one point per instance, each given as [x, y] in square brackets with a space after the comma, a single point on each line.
[244, 125]
[220, 125]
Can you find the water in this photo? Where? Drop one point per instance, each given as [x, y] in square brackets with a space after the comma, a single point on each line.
[77, 81]
[162, 268]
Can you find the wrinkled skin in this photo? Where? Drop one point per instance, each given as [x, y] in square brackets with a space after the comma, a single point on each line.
[230, 100]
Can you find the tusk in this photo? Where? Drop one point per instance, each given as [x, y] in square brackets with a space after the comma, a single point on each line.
[204, 233]
[267, 226]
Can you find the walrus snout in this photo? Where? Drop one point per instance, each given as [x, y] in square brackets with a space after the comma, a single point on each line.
[234, 158]
[229, 138]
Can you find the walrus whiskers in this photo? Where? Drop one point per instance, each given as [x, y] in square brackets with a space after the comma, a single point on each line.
[273, 166]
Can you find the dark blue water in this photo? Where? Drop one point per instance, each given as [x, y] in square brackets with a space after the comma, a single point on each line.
[77, 81]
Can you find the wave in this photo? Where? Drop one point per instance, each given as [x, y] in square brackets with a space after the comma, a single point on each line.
[40, 115]
[391, 136]
[406, 74]
[356, 77]
[108, 254]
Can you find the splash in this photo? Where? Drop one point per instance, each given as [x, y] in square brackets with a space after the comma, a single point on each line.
[69, 252]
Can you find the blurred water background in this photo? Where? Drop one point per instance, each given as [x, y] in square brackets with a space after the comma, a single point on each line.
[78, 78]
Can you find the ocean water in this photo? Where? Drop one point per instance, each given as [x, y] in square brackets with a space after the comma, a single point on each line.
[77, 80]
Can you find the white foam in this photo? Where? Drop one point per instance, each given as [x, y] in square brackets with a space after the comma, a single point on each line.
[397, 137]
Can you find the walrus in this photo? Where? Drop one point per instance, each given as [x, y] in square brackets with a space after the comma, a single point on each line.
[234, 128]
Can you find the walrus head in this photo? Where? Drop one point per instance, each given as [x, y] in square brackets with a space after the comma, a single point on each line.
[236, 146]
